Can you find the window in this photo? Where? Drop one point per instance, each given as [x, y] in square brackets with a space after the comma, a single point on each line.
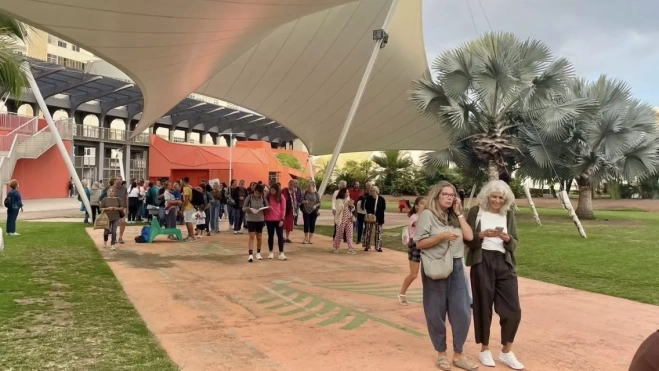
[52, 58]
[75, 48]
[273, 177]
[62, 44]
[52, 40]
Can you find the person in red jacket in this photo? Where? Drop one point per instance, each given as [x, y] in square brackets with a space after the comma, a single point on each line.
[355, 193]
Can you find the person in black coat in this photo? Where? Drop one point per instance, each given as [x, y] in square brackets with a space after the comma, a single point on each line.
[374, 206]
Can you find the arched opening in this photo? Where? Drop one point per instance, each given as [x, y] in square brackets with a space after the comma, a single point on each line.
[25, 109]
[90, 120]
[58, 115]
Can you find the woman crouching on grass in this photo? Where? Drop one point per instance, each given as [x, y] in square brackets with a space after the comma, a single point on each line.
[112, 208]
[255, 220]
[413, 254]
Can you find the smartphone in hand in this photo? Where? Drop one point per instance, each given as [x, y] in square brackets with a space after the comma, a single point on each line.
[499, 229]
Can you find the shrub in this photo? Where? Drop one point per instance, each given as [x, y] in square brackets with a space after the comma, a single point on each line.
[288, 160]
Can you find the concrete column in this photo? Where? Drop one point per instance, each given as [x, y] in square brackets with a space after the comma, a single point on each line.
[145, 158]
[127, 159]
[215, 138]
[188, 134]
[100, 155]
[171, 134]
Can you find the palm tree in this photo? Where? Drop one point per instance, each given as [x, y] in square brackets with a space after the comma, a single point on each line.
[484, 91]
[391, 164]
[12, 69]
[617, 140]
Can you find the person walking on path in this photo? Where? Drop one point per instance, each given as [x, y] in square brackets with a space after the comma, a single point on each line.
[343, 220]
[413, 253]
[274, 221]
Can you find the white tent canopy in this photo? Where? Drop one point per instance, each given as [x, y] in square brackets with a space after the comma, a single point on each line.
[298, 62]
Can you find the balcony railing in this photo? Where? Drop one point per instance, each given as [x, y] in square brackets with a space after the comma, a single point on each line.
[109, 135]
[138, 164]
[12, 121]
[84, 161]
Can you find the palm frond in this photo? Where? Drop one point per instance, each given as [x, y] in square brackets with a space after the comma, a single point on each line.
[428, 97]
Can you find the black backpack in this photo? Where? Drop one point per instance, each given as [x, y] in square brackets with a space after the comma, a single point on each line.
[197, 198]
[8, 204]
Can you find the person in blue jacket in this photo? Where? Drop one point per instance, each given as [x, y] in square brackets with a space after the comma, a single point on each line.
[13, 204]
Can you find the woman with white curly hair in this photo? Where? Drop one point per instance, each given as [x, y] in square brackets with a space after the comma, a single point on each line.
[491, 257]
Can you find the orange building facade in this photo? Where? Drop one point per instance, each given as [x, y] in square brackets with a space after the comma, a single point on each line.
[251, 161]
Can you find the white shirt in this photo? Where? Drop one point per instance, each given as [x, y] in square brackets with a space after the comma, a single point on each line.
[134, 192]
[492, 221]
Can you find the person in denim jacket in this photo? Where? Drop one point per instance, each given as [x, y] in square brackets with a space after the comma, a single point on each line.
[15, 203]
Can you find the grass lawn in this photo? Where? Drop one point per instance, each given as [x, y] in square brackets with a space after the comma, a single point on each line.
[619, 258]
[61, 307]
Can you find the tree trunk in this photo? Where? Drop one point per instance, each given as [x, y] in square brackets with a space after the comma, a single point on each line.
[492, 171]
[534, 211]
[585, 206]
[567, 205]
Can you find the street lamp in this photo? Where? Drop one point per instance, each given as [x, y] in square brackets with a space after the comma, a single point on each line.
[230, 156]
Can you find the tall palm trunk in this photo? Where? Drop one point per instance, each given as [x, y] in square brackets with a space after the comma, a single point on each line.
[585, 206]
[492, 171]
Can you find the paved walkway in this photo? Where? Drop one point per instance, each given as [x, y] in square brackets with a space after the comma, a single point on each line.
[211, 310]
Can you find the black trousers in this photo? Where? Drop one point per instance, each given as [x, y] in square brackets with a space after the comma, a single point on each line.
[273, 227]
[494, 282]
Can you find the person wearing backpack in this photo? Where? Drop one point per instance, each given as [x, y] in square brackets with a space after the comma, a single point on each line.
[13, 203]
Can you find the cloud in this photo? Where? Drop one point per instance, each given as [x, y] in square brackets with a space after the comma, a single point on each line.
[613, 37]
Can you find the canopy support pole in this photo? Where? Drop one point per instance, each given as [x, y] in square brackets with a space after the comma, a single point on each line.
[58, 138]
[356, 101]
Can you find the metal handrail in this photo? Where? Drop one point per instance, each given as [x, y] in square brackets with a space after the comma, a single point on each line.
[11, 120]
[8, 140]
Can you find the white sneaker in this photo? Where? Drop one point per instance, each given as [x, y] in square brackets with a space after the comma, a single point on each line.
[251, 258]
[282, 256]
[271, 255]
[511, 361]
[258, 256]
[235, 232]
[112, 248]
[16, 234]
[486, 358]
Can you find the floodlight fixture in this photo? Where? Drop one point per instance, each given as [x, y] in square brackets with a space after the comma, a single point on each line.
[382, 36]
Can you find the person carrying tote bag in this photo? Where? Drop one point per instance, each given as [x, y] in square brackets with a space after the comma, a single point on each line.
[440, 232]
[374, 220]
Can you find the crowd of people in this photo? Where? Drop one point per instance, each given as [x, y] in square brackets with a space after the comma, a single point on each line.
[442, 242]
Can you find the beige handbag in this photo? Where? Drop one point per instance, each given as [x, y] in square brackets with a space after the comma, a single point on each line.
[102, 222]
[371, 218]
[437, 269]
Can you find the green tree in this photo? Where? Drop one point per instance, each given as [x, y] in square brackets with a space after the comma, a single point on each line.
[390, 165]
[353, 171]
[12, 69]
[484, 91]
[409, 182]
[618, 140]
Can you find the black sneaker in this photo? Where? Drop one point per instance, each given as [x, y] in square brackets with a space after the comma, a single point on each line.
[378, 250]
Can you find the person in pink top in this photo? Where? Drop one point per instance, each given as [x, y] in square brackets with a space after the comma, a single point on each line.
[413, 254]
[274, 220]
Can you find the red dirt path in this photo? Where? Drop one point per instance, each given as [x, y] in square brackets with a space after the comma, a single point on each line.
[211, 310]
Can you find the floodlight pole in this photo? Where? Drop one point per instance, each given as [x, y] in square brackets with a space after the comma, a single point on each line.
[356, 101]
[58, 138]
[230, 158]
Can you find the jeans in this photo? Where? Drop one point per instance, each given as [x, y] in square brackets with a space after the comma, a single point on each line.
[222, 206]
[208, 220]
[360, 226]
[273, 226]
[215, 213]
[113, 231]
[238, 215]
[230, 214]
[12, 215]
[161, 215]
[295, 215]
[309, 222]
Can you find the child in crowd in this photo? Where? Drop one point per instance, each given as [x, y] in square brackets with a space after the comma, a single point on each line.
[200, 217]
[413, 253]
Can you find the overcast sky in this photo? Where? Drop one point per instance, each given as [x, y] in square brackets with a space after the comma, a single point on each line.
[614, 37]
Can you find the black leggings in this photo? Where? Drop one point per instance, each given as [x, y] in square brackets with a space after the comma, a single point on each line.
[133, 208]
[273, 226]
[310, 222]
